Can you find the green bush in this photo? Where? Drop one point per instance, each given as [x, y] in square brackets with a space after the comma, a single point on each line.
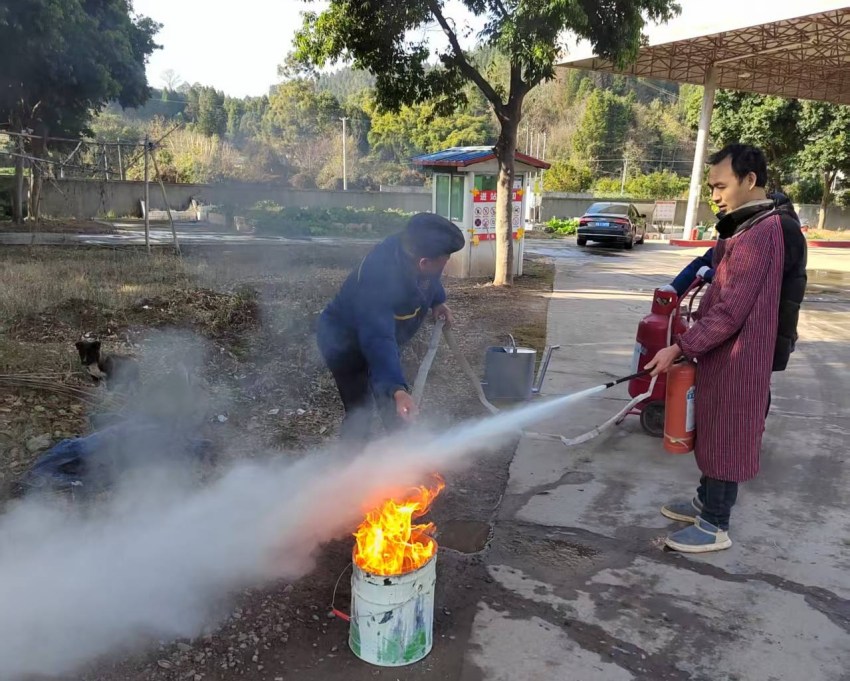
[807, 189]
[607, 187]
[565, 177]
[271, 218]
[561, 226]
[658, 185]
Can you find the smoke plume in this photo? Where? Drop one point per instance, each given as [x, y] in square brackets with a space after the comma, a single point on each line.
[159, 557]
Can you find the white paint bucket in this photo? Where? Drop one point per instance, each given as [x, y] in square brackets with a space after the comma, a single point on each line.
[392, 618]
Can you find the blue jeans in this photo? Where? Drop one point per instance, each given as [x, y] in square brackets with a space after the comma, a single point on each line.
[717, 498]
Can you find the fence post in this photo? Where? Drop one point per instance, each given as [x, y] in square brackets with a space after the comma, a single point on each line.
[120, 161]
[19, 175]
[147, 197]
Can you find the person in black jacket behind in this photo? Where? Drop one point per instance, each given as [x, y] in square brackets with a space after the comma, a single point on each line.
[380, 307]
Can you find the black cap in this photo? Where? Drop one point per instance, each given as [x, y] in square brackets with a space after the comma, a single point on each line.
[431, 236]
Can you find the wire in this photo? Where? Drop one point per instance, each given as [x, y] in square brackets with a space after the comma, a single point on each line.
[69, 140]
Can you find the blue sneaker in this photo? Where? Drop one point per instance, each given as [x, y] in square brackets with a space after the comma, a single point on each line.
[683, 511]
[701, 537]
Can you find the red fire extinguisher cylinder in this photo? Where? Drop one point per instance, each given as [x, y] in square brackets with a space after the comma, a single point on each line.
[679, 409]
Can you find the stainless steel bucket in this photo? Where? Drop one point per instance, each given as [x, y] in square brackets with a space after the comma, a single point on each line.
[509, 372]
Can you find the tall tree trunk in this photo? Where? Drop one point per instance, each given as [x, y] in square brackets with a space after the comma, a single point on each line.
[828, 179]
[18, 192]
[38, 147]
[506, 156]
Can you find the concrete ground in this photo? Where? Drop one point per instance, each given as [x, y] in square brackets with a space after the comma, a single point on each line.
[582, 587]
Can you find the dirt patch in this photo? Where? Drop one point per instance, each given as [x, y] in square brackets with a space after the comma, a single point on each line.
[255, 309]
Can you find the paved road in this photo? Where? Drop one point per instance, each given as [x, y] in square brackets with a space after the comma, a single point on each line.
[160, 237]
[584, 590]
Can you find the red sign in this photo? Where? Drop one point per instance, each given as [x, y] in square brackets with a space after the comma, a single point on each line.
[490, 196]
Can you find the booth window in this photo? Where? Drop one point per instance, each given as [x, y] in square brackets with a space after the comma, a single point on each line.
[486, 183]
[450, 196]
[458, 198]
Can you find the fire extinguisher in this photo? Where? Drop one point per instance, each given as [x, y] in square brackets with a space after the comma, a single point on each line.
[679, 413]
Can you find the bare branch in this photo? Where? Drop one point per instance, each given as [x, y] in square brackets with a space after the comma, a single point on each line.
[466, 68]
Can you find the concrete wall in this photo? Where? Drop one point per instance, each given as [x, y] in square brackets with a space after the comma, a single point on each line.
[574, 205]
[837, 217]
[92, 198]
[405, 189]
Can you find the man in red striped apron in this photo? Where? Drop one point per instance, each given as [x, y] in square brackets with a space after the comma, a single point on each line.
[734, 340]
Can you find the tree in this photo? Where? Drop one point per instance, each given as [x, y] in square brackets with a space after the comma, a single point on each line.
[298, 111]
[658, 185]
[377, 37]
[171, 79]
[418, 129]
[206, 110]
[769, 123]
[65, 60]
[565, 177]
[601, 136]
[826, 145]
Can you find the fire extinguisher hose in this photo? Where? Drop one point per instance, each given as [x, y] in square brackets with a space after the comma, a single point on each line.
[451, 340]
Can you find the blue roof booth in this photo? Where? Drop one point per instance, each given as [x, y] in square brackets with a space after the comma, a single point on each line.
[464, 191]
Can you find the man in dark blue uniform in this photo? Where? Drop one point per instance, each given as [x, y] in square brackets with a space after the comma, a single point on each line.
[380, 307]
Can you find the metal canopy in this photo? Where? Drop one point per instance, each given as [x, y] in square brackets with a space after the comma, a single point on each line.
[806, 57]
[803, 57]
[461, 157]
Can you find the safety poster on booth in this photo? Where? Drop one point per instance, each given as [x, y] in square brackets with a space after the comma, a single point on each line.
[484, 208]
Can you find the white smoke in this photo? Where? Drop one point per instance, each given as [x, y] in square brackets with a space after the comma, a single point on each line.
[156, 560]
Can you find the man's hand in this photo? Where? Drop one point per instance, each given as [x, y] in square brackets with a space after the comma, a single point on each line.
[663, 360]
[405, 407]
[668, 288]
[443, 312]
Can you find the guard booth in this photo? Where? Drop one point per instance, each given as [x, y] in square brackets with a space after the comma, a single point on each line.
[464, 191]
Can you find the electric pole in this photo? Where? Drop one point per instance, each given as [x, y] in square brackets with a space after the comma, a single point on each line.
[623, 181]
[344, 155]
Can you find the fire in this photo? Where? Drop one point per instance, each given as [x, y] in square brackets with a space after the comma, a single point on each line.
[388, 543]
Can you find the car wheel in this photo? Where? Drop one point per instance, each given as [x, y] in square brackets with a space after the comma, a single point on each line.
[581, 241]
[630, 244]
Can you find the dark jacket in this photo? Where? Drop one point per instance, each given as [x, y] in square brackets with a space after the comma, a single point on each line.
[686, 277]
[380, 307]
[794, 269]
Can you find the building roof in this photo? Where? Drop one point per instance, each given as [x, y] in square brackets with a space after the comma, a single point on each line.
[804, 57]
[461, 157]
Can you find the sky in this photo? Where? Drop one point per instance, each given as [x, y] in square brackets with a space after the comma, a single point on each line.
[237, 48]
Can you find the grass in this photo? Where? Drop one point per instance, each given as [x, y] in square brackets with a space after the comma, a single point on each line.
[37, 279]
[829, 235]
[271, 218]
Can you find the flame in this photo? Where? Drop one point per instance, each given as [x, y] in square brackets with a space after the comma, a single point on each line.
[388, 543]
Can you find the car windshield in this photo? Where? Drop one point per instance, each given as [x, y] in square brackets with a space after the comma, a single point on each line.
[608, 209]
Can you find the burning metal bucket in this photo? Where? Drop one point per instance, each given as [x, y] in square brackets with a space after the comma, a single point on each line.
[392, 584]
[392, 617]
